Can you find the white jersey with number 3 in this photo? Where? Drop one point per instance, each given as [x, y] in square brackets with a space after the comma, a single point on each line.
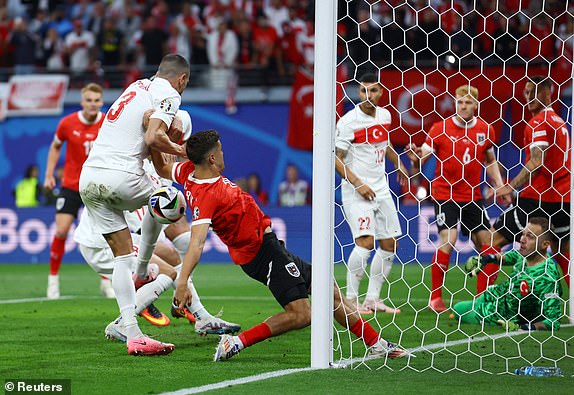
[365, 139]
[120, 144]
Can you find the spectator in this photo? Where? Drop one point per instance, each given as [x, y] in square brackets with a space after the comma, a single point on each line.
[265, 44]
[27, 190]
[153, 42]
[277, 14]
[255, 190]
[53, 51]
[111, 44]
[80, 45]
[293, 191]
[25, 47]
[222, 51]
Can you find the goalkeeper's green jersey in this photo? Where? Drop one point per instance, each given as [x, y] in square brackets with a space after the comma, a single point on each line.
[531, 294]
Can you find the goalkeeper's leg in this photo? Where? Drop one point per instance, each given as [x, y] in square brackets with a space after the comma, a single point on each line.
[465, 312]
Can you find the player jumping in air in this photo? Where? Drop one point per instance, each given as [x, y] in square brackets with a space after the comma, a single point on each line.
[361, 146]
[530, 298]
[463, 145]
[233, 214]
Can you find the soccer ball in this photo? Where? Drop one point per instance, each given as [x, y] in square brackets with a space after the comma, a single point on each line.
[167, 205]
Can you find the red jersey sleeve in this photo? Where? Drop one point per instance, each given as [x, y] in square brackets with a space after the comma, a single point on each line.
[203, 210]
[181, 170]
[62, 130]
[539, 134]
[489, 144]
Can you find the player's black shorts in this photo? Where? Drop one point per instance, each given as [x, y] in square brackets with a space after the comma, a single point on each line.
[514, 219]
[471, 216]
[68, 202]
[287, 276]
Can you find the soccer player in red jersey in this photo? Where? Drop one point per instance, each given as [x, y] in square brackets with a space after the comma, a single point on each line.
[545, 177]
[79, 130]
[463, 145]
[233, 214]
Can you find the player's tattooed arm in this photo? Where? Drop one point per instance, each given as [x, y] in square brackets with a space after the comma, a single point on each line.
[347, 174]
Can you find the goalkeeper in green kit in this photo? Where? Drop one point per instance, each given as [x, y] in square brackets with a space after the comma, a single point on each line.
[530, 298]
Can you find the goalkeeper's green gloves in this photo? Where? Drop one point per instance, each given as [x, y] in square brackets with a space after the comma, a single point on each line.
[513, 326]
[473, 265]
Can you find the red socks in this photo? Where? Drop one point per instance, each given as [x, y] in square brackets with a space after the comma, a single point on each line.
[364, 330]
[56, 254]
[439, 267]
[255, 335]
[487, 276]
[563, 261]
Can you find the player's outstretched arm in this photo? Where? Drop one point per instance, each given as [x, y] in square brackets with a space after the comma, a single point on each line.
[53, 156]
[347, 174]
[156, 137]
[182, 296]
[162, 163]
[493, 170]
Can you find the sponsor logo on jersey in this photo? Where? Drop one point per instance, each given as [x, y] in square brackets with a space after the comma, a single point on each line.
[165, 105]
[524, 288]
[195, 212]
[76, 133]
[292, 269]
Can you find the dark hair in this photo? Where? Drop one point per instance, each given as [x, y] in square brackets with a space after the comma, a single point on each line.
[544, 224]
[200, 144]
[172, 65]
[29, 170]
[369, 77]
[541, 81]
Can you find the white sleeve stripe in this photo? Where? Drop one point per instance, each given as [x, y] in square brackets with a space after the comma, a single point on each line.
[539, 133]
[175, 171]
[57, 140]
[201, 221]
[539, 143]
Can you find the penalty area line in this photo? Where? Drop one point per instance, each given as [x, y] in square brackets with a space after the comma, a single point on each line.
[242, 380]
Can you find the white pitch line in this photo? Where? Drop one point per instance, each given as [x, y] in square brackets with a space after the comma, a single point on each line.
[69, 297]
[29, 300]
[243, 380]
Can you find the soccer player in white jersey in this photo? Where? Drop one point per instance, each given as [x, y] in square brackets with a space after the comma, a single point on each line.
[361, 146]
[113, 180]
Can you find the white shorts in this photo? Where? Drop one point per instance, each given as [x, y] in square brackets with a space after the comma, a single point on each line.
[106, 193]
[376, 218]
[102, 259]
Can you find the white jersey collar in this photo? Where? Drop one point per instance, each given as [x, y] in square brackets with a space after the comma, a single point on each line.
[203, 181]
[85, 121]
[463, 125]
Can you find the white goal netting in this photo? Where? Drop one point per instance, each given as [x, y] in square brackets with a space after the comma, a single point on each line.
[421, 52]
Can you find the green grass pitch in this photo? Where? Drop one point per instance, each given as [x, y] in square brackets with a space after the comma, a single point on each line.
[64, 339]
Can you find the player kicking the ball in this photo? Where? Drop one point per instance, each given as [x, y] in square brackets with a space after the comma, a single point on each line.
[218, 203]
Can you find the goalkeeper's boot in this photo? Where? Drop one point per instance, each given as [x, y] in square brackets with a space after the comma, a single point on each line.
[228, 347]
[383, 348]
[152, 273]
[148, 346]
[375, 305]
[437, 305]
[154, 316]
[106, 289]
[115, 331]
[181, 313]
[216, 326]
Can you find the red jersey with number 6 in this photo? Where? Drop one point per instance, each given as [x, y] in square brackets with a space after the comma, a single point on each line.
[233, 214]
[460, 151]
[551, 183]
[79, 135]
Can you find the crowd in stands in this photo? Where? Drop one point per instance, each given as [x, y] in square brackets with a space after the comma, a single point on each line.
[266, 40]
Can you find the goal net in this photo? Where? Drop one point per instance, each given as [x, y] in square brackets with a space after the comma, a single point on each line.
[420, 53]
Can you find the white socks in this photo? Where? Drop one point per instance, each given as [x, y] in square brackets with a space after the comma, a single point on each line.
[126, 293]
[355, 269]
[150, 232]
[381, 266]
[151, 291]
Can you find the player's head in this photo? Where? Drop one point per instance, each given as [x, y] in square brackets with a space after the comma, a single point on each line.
[91, 101]
[204, 149]
[536, 237]
[466, 102]
[538, 93]
[370, 90]
[175, 69]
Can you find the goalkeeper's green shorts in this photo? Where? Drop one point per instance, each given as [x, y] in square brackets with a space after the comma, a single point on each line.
[464, 312]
